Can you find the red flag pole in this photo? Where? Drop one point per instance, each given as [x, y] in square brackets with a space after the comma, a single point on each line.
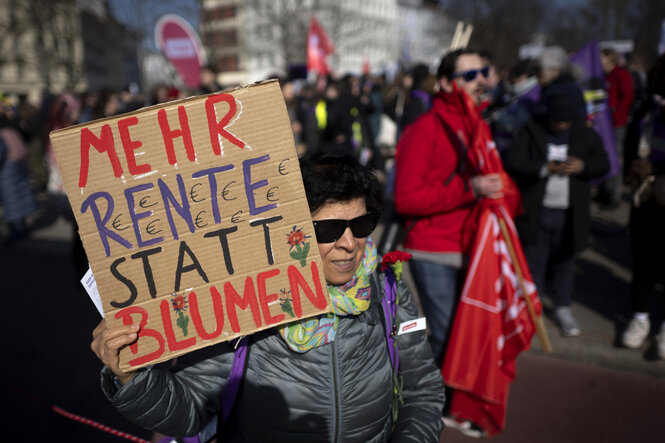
[537, 319]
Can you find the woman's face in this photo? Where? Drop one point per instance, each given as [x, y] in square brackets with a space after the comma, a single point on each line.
[342, 257]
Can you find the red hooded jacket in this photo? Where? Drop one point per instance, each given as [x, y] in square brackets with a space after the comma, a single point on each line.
[436, 158]
[426, 159]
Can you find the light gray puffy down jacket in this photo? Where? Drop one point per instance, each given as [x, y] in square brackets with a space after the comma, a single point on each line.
[341, 392]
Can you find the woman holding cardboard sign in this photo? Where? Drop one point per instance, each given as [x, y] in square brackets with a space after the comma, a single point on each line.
[362, 373]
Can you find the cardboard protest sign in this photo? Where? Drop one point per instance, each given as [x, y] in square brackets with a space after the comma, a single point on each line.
[194, 218]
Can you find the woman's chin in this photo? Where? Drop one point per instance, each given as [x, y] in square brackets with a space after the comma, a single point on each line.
[340, 272]
[337, 278]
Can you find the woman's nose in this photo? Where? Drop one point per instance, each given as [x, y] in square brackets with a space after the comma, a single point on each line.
[346, 241]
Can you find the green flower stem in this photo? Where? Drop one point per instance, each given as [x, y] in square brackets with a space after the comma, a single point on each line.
[397, 269]
[182, 322]
[286, 307]
[300, 254]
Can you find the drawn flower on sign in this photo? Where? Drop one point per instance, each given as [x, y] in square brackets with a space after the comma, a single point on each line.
[179, 302]
[285, 302]
[180, 305]
[296, 239]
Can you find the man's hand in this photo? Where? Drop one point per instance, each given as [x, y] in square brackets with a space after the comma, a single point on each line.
[555, 167]
[573, 166]
[489, 185]
[107, 342]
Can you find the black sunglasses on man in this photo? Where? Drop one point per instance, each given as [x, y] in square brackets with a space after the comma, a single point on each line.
[470, 75]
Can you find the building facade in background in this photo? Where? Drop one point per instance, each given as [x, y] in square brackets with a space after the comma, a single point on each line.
[249, 40]
[109, 49]
[41, 46]
[56, 45]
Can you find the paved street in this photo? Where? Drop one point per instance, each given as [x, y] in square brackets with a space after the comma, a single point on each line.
[48, 322]
[559, 400]
[589, 389]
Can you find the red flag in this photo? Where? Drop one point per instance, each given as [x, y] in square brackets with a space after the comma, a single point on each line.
[319, 47]
[492, 324]
[366, 70]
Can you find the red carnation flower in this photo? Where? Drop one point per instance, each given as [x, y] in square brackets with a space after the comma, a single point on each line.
[394, 261]
[394, 257]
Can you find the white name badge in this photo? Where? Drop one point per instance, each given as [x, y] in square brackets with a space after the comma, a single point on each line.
[418, 324]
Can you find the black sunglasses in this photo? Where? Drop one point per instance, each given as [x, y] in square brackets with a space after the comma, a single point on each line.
[328, 231]
[472, 73]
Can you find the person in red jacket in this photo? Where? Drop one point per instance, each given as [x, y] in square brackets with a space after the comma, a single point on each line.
[436, 189]
[620, 93]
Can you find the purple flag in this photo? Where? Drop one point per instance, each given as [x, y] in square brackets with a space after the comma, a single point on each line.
[593, 85]
[532, 94]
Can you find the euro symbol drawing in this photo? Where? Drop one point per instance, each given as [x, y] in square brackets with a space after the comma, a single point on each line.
[144, 202]
[151, 228]
[116, 223]
[226, 191]
[235, 218]
[193, 194]
[198, 222]
[282, 169]
[270, 195]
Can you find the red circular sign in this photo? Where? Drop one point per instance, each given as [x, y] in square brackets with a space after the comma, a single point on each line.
[181, 46]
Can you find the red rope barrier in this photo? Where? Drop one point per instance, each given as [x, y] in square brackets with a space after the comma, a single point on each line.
[97, 425]
[78, 418]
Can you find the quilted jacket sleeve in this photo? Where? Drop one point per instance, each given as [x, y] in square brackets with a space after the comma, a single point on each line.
[176, 401]
[419, 418]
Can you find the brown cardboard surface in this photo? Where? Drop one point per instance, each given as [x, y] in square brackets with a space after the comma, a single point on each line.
[201, 243]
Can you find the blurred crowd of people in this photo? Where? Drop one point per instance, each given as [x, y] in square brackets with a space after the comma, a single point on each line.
[538, 118]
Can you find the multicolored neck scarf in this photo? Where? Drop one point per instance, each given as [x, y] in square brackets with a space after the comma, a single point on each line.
[351, 298]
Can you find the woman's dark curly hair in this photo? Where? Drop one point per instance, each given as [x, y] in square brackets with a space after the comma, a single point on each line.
[331, 178]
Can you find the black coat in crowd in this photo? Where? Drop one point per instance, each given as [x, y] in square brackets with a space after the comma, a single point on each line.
[524, 163]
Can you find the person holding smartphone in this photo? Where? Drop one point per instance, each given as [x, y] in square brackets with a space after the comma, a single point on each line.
[552, 161]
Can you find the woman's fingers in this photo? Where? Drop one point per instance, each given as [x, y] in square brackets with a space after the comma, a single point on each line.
[107, 342]
[117, 331]
[114, 344]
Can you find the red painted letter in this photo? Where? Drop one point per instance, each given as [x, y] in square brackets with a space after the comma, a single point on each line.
[265, 299]
[218, 128]
[168, 135]
[247, 300]
[130, 145]
[196, 315]
[126, 315]
[103, 143]
[174, 344]
[297, 281]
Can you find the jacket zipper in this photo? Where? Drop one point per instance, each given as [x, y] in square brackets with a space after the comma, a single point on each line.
[336, 393]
